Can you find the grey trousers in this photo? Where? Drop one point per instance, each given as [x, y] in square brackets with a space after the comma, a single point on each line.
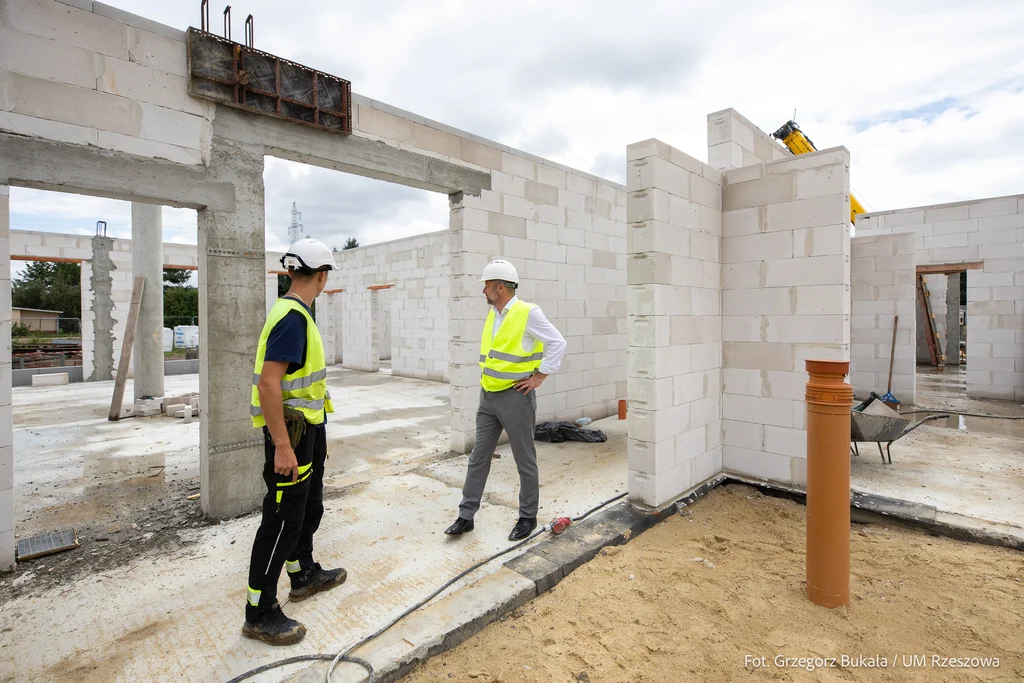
[516, 413]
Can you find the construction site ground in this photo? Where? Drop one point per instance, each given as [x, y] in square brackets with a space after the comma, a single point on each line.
[969, 469]
[718, 595]
[156, 592]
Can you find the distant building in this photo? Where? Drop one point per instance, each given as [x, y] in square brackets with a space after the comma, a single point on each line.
[36, 319]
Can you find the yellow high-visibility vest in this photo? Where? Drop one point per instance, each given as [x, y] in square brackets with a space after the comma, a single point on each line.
[306, 389]
[502, 359]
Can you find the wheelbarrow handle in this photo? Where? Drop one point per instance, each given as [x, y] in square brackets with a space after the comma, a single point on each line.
[921, 422]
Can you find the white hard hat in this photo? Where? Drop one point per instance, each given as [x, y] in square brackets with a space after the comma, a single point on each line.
[500, 270]
[309, 253]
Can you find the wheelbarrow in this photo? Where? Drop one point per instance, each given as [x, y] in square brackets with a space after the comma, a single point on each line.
[873, 421]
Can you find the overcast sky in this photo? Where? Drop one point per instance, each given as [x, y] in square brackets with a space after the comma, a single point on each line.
[927, 96]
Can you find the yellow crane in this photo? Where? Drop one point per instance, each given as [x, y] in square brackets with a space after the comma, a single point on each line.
[798, 143]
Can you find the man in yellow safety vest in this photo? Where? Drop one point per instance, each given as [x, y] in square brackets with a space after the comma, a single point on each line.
[519, 348]
[290, 402]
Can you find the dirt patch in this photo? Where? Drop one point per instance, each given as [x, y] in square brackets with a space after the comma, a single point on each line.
[699, 597]
[83, 667]
[123, 535]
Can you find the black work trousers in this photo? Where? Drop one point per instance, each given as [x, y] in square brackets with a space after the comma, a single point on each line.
[291, 515]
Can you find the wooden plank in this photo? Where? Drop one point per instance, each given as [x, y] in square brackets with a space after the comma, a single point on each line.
[947, 268]
[375, 287]
[126, 349]
[46, 259]
[929, 332]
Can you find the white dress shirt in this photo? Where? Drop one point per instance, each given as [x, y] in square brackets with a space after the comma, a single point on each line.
[538, 327]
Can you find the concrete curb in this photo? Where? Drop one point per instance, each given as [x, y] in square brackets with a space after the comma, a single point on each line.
[449, 621]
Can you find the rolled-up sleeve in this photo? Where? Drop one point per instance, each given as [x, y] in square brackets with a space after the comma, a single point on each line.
[540, 328]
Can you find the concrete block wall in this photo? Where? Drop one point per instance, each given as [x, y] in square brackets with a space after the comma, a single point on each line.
[416, 332]
[882, 275]
[675, 327]
[990, 231]
[734, 142]
[785, 299]
[6, 415]
[565, 232]
[99, 77]
[329, 321]
[360, 344]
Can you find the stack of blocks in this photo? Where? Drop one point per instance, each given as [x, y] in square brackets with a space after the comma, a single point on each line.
[734, 142]
[786, 299]
[675, 356]
[148, 407]
[986, 230]
[883, 273]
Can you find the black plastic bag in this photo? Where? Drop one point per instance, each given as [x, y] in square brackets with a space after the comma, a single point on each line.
[557, 432]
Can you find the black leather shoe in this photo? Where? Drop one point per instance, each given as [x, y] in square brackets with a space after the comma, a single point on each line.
[460, 527]
[523, 528]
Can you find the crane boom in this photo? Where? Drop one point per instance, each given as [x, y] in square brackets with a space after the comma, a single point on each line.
[798, 143]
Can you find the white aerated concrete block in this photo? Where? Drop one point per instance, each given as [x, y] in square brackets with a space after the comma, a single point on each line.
[50, 379]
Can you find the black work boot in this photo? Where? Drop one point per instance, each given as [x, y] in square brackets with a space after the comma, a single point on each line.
[273, 627]
[308, 582]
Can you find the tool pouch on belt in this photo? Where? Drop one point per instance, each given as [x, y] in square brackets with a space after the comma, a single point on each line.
[295, 422]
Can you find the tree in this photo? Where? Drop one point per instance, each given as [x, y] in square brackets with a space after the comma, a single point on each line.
[51, 287]
[283, 283]
[174, 277]
[181, 300]
[181, 306]
[351, 243]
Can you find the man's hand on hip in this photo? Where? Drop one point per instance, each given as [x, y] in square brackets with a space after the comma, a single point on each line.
[530, 383]
[285, 461]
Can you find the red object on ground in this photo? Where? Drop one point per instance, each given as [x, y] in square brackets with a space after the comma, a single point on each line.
[560, 524]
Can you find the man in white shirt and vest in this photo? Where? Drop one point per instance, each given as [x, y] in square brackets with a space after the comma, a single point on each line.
[290, 402]
[519, 348]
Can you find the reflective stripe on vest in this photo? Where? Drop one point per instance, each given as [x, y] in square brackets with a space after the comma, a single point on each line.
[503, 362]
[306, 389]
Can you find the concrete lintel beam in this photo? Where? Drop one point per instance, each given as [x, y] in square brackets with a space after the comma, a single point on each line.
[350, 154]
[82, 169]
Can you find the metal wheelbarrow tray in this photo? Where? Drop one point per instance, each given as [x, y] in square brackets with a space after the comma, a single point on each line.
[873, 421]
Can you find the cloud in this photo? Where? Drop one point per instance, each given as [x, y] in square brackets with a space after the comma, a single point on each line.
[926, 96]
[336, 206]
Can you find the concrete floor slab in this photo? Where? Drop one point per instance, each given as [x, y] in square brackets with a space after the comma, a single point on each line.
[968, 468]
[175, 611]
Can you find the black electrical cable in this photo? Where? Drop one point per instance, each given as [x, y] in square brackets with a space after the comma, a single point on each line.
[304, 658]
[343, 656]
[956, 412]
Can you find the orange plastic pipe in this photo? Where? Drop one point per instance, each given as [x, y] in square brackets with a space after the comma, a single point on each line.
[829, 400]
[622, 409]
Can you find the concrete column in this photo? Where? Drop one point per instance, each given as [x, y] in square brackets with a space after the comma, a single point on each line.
[6, 428]
[87, 328]
[232, 310]
[953, 318]
[470, 250]
[101, 285]
[271, 284]
[148, 261]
